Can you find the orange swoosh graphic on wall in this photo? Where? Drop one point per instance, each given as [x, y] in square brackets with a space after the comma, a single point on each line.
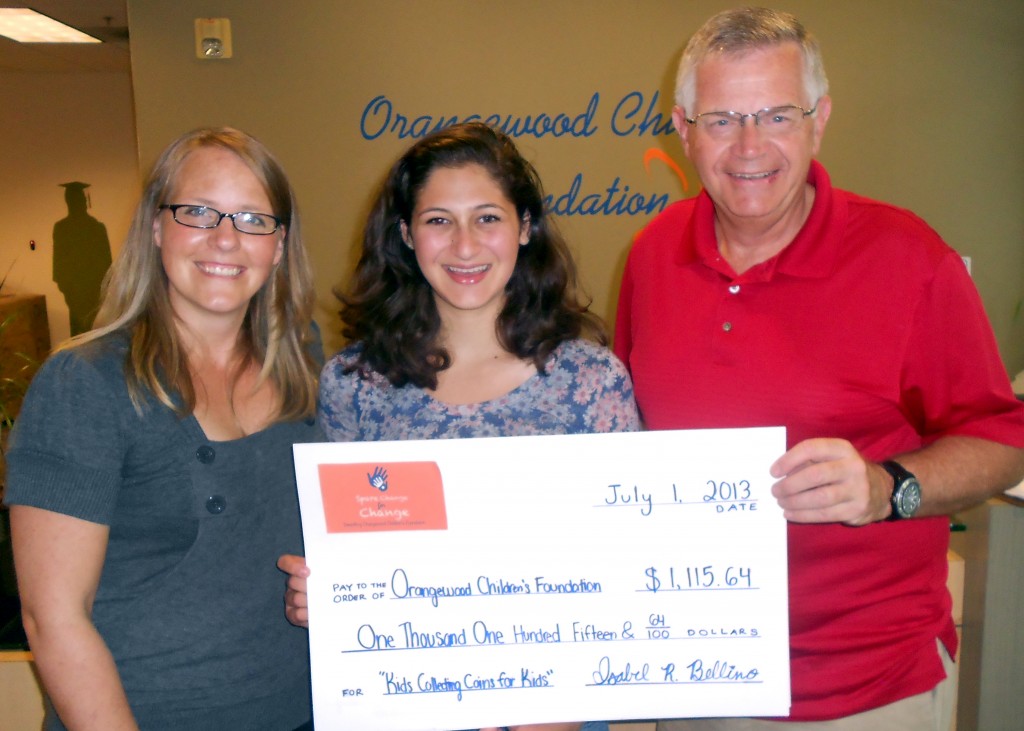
[656, 153]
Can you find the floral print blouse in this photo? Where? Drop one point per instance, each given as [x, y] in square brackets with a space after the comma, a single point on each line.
[584, 388]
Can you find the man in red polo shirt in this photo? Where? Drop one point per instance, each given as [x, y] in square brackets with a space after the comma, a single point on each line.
[772, 298]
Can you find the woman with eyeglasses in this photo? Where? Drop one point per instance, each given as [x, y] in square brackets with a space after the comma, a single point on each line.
[150, 474]
[464, 317]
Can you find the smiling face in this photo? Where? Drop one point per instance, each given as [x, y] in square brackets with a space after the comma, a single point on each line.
[466, 237]
[214, 273]
[756, 180]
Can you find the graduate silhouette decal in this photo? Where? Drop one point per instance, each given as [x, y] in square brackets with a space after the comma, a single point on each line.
[81, 257]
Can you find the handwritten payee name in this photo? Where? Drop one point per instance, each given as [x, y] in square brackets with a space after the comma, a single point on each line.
[403, 588]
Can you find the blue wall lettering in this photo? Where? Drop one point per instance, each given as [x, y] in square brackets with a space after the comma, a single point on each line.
[379, 117]
[613, 201]
[624, 118]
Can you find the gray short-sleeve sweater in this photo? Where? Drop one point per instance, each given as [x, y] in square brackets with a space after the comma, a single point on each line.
[190, 600]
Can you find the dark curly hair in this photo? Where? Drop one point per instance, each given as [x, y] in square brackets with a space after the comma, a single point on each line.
[389, 305]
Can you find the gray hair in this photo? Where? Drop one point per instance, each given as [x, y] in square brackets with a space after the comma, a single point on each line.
[745, 29]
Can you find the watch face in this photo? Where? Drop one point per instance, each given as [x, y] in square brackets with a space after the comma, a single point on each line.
[909, 498]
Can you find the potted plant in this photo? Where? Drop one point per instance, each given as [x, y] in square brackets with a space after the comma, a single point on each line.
[13, 384]
[24, 342]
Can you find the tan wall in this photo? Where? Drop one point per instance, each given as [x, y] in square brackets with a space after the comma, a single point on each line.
[928, 98]
[57, 128]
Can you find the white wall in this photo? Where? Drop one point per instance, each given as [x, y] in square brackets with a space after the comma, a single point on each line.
[928, 97]
[57, 128]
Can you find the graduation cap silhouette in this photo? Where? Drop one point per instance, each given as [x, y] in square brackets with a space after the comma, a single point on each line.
[75, 189]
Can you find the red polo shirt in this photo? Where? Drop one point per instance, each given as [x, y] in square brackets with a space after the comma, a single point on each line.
[866, 328]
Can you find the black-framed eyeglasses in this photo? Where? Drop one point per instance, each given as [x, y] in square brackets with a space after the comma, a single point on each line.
[772, 120]
[248, 222]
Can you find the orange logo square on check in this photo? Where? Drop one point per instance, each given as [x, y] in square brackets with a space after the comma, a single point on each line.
[381, 496]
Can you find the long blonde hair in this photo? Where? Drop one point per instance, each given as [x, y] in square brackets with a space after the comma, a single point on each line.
[276, 333]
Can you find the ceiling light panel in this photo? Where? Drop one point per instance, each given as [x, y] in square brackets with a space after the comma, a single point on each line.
[28, 26]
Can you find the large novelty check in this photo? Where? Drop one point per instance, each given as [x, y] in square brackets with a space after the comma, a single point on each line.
[467, 583]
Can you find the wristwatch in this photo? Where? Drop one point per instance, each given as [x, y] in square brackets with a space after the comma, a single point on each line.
[906, 491]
